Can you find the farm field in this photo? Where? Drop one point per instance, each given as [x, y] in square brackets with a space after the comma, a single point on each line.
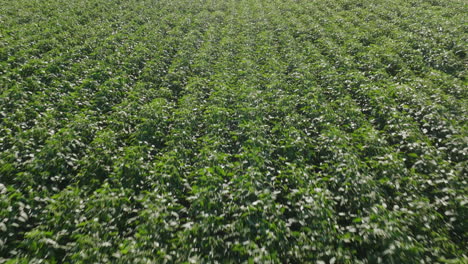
[222, 131]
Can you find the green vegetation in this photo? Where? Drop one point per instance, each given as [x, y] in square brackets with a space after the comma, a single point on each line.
[203, 131]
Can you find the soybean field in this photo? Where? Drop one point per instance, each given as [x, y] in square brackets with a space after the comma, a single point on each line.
[233, 131]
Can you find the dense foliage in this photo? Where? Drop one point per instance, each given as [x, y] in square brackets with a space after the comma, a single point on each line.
[281, 131]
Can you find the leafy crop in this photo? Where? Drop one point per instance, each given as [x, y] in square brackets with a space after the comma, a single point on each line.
[204, 131]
